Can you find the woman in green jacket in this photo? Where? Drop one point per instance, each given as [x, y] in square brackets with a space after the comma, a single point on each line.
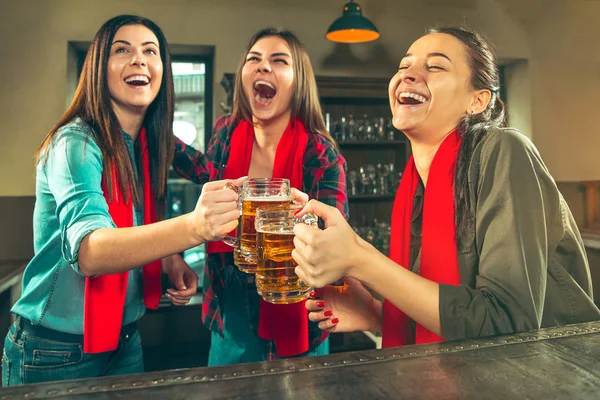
[482, 243]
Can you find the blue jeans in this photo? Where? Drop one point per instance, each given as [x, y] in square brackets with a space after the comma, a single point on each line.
[227, 350]
[241, 343]
[31, 358]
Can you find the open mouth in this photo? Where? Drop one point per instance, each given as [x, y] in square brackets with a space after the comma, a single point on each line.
[137, 80]
[264, 92]
[410, 98]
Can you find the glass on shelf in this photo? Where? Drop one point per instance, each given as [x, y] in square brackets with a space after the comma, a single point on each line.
[364, 130]
[372, 175]
[370, 180]
[351, 128]
[381, 129]
[390, 130]
[353, 182]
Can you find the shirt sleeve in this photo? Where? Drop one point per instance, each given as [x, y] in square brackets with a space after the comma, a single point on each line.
[517, 224]
[194, 165]
[191, 164]
[328, 171]
[73, 167]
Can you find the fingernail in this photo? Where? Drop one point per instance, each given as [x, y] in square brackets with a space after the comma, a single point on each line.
[297, 211]
[328, 313]
[183, 287]
[168, 295]
[320, 304]
[335, 321]
[312, 295]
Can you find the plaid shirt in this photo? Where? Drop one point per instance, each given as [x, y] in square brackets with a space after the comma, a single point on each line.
[324, 179]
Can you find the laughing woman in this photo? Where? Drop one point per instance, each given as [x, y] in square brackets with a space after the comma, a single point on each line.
[276, 130]
[482, 241]
[101, 176]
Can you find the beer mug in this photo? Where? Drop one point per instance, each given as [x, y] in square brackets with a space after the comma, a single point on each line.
[276, 281]
[254, 193]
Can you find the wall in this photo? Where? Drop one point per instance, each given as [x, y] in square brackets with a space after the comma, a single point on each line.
[565, 77]
[34, 66]
[554, 77]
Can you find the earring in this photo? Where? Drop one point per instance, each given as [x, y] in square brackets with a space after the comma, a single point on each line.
[472, 112]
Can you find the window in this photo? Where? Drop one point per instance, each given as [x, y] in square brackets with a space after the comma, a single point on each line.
[190, 121]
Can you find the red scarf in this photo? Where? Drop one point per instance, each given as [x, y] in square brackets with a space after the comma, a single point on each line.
[105, 294]
[286, 324]
[439, 257]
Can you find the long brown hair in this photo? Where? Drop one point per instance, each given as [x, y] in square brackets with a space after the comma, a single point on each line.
[305, 99]
[484, 75]
[92, 103]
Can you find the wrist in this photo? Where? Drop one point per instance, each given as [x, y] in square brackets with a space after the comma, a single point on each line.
[195, 234]
[360, 259]
[166, 264]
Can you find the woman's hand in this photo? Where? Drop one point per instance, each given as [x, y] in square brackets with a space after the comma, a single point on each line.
[217, 211]
[347, 308]
[325, 256]
[182, 277]
[299, 197]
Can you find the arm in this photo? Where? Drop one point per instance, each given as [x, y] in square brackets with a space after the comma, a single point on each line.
[327, 170]
[191, 164]
[182, 277]
[417, 297]
[194, 165]
[109, 251]
[518, 222]
[347, 308]
[515, 225]
[90, 241]
[322, 259]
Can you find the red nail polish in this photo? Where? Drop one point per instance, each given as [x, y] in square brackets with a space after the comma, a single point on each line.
[297, 211]
[328, 313]
[312, 295]
[335, 321]
[320, 304]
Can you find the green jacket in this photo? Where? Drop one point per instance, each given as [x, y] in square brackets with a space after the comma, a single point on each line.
[522, 261]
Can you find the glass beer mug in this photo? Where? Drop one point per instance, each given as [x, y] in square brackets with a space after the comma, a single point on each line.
[276, 281]
[254, 193]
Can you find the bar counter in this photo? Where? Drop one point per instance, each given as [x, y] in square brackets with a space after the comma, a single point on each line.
[554, 363]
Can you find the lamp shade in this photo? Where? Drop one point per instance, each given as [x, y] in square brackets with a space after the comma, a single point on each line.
[352, 27]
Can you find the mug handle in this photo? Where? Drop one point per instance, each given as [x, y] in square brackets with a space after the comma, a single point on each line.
[308, 219]
[230, 240]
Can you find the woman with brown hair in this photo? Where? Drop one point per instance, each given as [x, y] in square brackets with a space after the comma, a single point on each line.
[276, 130]
[101, 175]
[482, 241]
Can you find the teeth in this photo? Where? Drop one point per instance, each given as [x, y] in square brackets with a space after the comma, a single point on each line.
[415, 96]
[263, 83]
[261, 100]
[137, 78]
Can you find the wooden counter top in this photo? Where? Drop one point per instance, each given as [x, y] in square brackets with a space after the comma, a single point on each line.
[555, 363]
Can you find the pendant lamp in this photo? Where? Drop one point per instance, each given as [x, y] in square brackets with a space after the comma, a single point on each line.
[352, 27]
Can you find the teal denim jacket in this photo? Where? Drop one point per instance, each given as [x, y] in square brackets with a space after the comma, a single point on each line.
[69, 205]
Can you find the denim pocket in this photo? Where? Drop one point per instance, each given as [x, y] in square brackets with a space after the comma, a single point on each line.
[43, 354]
[49, 358]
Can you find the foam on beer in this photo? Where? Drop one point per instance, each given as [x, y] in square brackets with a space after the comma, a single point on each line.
[280, 230]
[267, 198]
